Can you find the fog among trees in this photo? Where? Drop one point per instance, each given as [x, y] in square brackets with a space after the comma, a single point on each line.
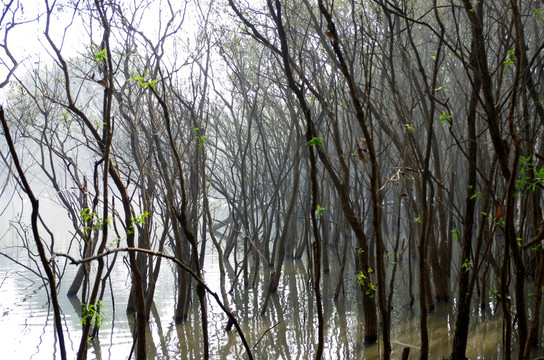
[395, 146]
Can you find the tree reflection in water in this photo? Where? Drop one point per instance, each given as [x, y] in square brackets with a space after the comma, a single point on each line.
[286, 331]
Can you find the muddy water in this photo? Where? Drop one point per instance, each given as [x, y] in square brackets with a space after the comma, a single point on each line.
[288, 330]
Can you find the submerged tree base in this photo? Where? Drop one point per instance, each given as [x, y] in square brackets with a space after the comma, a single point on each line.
[178, 320]
[454, 357]
[370, 339]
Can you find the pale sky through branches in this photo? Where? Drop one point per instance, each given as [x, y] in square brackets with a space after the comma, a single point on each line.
[74, 32]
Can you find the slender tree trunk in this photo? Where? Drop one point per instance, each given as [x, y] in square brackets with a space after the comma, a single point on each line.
[35, 233]
[465, 292]
[340, 283]
[280, 251]
[369, 300]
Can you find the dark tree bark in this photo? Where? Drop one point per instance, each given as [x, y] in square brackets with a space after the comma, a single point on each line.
[36, 235]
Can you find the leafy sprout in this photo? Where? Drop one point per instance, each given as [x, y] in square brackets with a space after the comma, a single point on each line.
[444, 117]
[320, 210]
[316, 141]
[98, 55]
[144, 84]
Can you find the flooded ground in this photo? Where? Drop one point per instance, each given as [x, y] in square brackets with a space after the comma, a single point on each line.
[288, 330]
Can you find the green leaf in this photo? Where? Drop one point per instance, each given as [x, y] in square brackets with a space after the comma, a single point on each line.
[524, 160]
[456, 234]
[476, 195]
[444, 117]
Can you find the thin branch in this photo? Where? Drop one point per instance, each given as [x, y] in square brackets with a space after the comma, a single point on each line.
[267, 330]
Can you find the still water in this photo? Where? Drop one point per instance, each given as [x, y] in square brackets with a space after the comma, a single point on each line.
[288, 330]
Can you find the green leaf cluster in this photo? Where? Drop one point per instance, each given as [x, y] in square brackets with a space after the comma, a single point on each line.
[539, 13]
[88, 217]
[98, 55]
[316, 141]
[530, 177]
[92, 314]
[364, 281]
[144, 84]
[320, 210]
[456, 234]
[201, 139]
[444, 117]
[390, 260]
[509, 60]
[138, 220]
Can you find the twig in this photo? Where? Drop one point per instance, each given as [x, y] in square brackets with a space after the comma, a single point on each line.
[262, 336]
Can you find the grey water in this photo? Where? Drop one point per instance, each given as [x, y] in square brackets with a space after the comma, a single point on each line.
[288, 329]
